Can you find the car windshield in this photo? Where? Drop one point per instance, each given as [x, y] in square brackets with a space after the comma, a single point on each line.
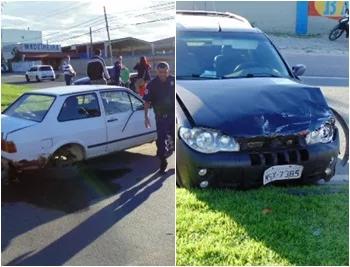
[223, 55]
[32, 107]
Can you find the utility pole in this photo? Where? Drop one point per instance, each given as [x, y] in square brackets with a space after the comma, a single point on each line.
[109, 39]
[91, 48]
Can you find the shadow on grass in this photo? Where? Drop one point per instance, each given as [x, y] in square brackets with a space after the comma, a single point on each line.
[307, 228]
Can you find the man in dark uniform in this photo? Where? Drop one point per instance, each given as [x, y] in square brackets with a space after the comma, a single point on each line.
[160, 93]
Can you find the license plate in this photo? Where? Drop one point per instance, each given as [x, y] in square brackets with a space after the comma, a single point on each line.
[282, 172]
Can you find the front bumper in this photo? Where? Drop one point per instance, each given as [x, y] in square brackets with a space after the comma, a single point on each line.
[246, 169]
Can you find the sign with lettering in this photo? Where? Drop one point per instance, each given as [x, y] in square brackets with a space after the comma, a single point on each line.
[329, 9]
[40, 48]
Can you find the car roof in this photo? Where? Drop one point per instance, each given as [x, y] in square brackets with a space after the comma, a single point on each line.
[73, 89]
[41, 66]
[200, 20]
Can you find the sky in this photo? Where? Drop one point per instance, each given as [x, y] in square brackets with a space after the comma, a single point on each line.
[60, 21]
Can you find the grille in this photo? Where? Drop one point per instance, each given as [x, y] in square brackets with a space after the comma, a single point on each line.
[268, 143]
[279, 158]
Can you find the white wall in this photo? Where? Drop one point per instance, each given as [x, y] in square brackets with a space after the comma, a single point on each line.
[269, 16]
[13, 36]
[24, 65]
[320, 25]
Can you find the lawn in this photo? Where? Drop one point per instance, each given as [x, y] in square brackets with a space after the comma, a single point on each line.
[10, 93]
[264, 226]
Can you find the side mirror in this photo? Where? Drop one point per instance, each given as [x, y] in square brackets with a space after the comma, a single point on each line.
[299, 69]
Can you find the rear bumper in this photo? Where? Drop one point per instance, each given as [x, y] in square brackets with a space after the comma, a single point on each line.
[23, 164]
[245, 169]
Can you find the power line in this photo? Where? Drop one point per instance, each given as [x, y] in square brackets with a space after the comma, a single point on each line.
[59, 11]
[120, 27]
[58, 34]
[59, 37]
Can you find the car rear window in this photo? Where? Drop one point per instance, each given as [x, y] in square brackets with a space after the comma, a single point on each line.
[45, 68]
[32, 107]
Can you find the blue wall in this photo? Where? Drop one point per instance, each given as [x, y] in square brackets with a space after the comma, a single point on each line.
[302, 17]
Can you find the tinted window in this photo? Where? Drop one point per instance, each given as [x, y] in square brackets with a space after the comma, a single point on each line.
[116, 102]
[80, 107]
[30, 107]
[33, 69]
[45, 69]
[222, 54]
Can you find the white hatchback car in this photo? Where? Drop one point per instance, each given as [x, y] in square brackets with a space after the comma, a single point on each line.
[40, 72]
[63, 125]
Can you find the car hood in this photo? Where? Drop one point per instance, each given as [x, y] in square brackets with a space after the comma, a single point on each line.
[12, 124]
[254, 106]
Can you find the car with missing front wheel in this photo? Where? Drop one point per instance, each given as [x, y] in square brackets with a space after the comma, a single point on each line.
[243, 117]
[40, 73]
[57, 127]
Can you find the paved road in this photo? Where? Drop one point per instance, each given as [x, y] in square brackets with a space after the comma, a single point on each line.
[322, 70]
[124, 215]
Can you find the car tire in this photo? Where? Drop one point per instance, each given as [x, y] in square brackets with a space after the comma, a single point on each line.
[37, 78]
[53, 80]
[27, 78]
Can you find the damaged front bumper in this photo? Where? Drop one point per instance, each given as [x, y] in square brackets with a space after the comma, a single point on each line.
[246, 169]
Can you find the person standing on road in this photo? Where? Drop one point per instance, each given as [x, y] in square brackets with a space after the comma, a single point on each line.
[68, 70]
[117, 70]
[96, 69]
[125, 76]
[160, 93]
[143, 75]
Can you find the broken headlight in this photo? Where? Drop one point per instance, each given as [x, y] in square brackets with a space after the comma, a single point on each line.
[207, 141]
[322, 135]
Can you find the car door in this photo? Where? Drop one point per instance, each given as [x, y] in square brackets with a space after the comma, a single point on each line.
[137, 122]
[123, 131]
[32, 72]
[80, 120]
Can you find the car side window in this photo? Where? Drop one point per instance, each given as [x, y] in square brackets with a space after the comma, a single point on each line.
[33, 69]
[136, 103]
[116, 102]
[79, 107]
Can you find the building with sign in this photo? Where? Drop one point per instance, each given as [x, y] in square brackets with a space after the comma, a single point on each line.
[47, 54]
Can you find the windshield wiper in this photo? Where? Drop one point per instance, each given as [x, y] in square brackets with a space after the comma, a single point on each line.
[249, 75]
[193, 76]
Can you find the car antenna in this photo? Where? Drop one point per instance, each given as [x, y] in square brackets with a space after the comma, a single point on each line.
[216, 15]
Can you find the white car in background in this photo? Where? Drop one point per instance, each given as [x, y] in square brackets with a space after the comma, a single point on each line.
[63, 125]
[40, 73]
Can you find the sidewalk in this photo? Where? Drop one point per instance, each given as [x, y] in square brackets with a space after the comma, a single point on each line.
[310, 45]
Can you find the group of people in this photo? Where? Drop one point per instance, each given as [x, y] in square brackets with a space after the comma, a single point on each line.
[98, 73]
[158, 92]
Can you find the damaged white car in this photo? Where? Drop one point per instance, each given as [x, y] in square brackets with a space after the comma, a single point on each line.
[63, 125]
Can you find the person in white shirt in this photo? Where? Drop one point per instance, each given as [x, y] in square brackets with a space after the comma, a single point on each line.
[68, 70]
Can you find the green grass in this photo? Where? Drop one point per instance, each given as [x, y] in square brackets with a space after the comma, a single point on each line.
[227, 227]
[10, 93]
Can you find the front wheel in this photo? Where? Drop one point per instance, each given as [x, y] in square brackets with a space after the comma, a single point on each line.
[335, 33]
[27, 78]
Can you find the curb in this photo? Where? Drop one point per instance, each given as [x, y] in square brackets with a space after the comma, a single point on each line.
[340, 179]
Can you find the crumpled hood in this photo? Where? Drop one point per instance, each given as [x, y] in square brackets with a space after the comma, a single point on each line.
[11, 124]
[254, 106]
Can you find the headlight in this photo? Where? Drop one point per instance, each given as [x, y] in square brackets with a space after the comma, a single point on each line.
[323, 135]
[207, 141]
